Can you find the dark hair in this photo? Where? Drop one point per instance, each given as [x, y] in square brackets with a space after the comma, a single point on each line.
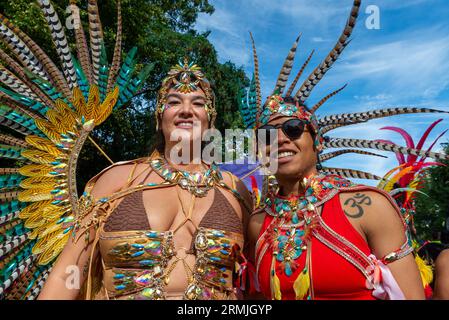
[159, 142]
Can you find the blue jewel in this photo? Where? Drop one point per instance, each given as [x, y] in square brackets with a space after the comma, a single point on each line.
[138, 253]
[288, 269]
[224, 252]
[280, 257]
[137, 246]
[295, 219]
[146, 262]
[152, 234]
[218, 234]
[119, 276]
[120, 287]
[297, 254]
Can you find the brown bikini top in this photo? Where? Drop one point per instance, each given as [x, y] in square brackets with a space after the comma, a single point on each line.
[130, 214]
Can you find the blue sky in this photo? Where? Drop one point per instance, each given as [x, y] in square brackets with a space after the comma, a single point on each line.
[404, 63]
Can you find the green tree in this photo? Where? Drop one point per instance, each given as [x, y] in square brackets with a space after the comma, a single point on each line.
[432, 209]
[163, 31]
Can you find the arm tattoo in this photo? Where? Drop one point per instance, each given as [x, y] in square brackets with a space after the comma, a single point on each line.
[355, 204]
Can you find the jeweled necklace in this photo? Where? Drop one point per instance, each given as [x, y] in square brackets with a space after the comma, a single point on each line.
[197, 183]
[290, 234]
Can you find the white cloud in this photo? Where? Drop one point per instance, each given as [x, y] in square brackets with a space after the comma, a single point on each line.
[414, 65]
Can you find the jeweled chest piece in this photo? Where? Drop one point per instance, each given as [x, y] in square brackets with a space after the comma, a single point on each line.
[197, 183]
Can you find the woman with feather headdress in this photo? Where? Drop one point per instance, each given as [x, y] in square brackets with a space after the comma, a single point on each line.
[104, 245]
[316, 234]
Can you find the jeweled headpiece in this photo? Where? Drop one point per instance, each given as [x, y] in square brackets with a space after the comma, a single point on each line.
[255, 114]
[186, 77]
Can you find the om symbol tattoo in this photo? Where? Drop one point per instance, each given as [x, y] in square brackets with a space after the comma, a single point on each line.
[355, 204]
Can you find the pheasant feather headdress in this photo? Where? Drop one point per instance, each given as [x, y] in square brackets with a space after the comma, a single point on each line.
[186, 77]
[52, 111]
[291, 103]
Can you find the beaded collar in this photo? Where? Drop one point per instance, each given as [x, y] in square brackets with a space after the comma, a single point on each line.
[295, 218]
[316, 188]
[197, 183]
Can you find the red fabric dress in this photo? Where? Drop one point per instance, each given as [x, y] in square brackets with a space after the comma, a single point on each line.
[332, 276]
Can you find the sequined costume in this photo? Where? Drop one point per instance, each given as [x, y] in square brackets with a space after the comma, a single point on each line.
[303, 253]
[136, 261]
[53, 111]
[306, 244]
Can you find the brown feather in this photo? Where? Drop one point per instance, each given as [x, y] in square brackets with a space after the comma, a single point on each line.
[18, 70]
[322, 101]
[299, 74]
[55, 75]
[256, 75]
[13, 141]
[115, 66]
[81, 43]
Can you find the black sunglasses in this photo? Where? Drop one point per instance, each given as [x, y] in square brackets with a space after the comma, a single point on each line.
[292, 128]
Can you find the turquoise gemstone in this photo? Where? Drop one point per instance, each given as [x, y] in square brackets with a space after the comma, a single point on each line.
[120, 287]
[119, 276]
[146, 262]
[138, 253]
[152, 234]
[295, 218]
[288, 269]
[215, 259]
[280, 257]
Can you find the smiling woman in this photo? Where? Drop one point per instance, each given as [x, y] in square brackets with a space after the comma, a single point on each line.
[155, 228]
[317, 235]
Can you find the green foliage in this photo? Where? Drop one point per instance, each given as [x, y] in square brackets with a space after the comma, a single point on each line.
[163, 32]
[432, 210]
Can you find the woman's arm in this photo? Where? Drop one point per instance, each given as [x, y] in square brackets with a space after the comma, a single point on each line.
[69, 272]
[441, 291]
[70, 269]
[384, 230]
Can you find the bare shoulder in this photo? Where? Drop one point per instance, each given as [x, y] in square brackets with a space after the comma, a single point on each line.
[359, 203]
[375, 213]
[230, 179]
[442, 261]
[112, 178]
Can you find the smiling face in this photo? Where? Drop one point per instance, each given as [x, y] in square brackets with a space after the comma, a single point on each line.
[295, 158]
[184, 111]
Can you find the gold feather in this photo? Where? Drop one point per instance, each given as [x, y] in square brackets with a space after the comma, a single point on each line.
[32, 208]
[38, 182]
[56, 120]
[50, 228]
[53, 248]
[48, 129]
[78, 102]
[275, 284]
[302, 284]
[42, 243]
[35, 220]
[92, 103]
[106, 107]
[33, 195]
[425, 270]
[38, 156]
[69, 117]
[36, 170]
[43, 144]
[46, 216]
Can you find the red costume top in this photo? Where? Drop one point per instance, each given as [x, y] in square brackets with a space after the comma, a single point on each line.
[323, 259]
